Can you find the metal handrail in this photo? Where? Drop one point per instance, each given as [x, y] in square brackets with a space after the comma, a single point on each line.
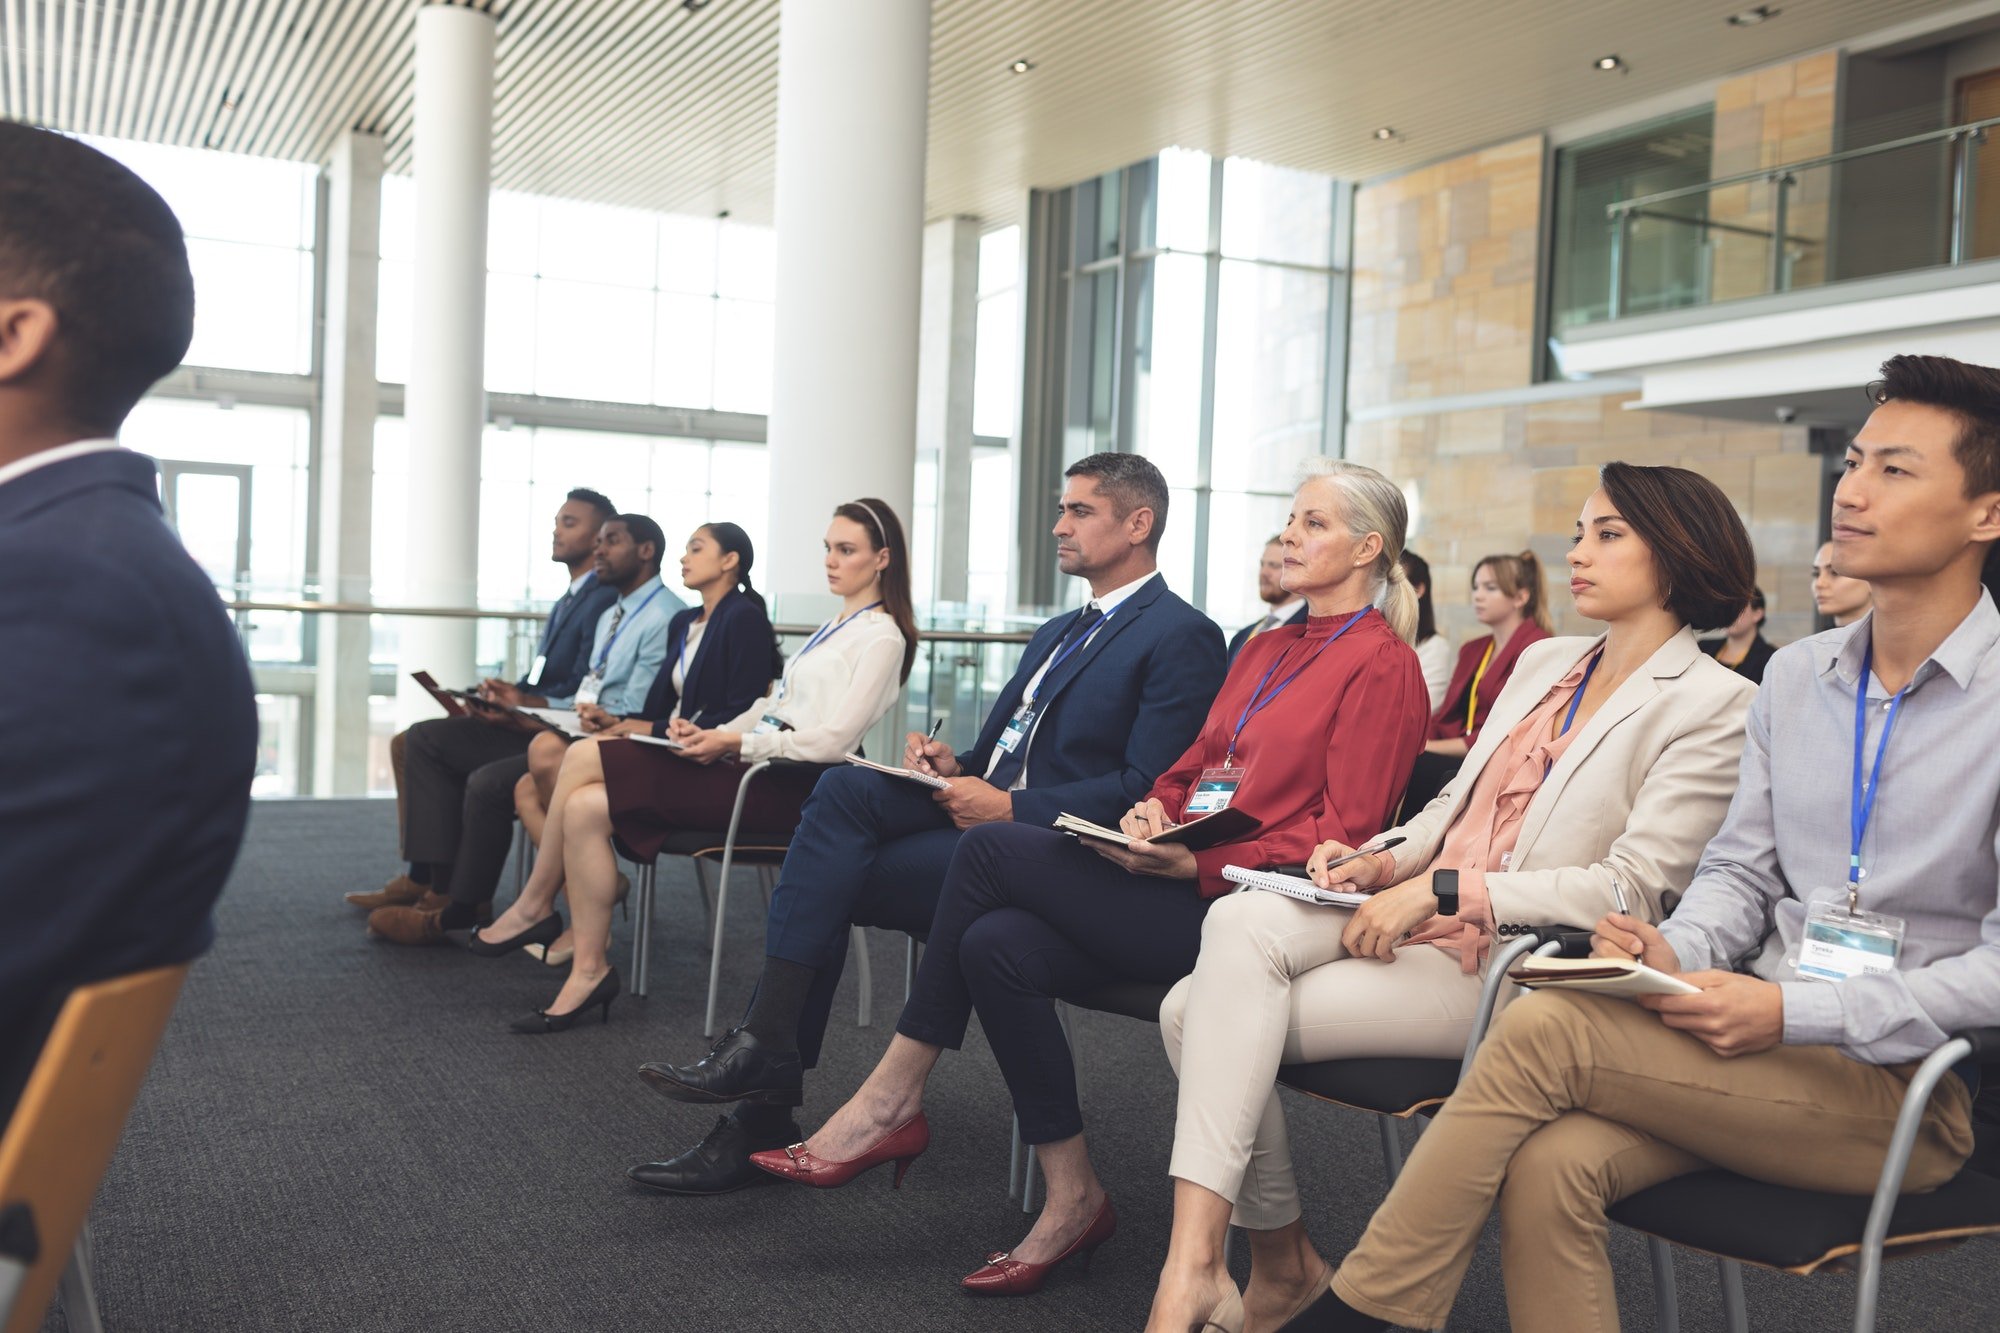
[1970, 128]
[462, 613]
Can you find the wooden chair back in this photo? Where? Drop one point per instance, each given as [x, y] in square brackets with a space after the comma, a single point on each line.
[70, 1117]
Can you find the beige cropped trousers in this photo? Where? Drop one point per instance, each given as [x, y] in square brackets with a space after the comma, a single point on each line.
[1273, 986]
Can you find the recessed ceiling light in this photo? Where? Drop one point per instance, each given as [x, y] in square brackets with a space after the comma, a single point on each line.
[1750, 18]
[1020, 66]
[1609, 63]
[1387, 132]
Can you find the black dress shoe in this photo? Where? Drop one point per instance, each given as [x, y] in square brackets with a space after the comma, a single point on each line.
[719, 1164]
[737, 1069]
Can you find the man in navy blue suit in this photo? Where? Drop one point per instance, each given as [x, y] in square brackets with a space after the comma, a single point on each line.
[451, 750]
[129, 724]
[1105, 699]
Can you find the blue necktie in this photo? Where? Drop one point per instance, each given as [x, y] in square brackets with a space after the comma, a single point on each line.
[1009, 767]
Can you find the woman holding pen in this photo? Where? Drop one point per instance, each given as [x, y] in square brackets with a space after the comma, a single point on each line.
[1600, 772]
[835, 688]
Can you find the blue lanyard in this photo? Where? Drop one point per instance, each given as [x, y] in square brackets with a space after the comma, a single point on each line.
[1065, 651]
[831, 628]
[1575, 699]
[1259, 700]
[1862, 797]
[605, 655]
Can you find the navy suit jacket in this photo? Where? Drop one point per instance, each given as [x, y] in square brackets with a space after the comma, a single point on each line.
[567, 638]
[1242, 636]
[730, 670]
[1116, 714]
[130, 741]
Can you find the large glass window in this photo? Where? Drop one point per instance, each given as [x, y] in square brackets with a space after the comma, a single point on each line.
[608, 304]
[249, 225]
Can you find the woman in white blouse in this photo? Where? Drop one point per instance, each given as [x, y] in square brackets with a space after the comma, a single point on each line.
[833, 690]
[1434, 651]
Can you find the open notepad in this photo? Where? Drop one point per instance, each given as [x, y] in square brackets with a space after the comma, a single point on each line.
[1196, 835]
[906, 774]
[1601, 976]
[1292, 887]
[564, 720]
[668, 741]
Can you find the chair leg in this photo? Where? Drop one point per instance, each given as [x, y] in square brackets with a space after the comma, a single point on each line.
[707, 896]
[911, 957]
[521, 846]
[1666, 1297]
[642, 929]
[1735, 1312]
[1392, 1147]
[715, 955]
[865, 1007]
[1028, 1181]
[79, 1290]
[1014, 1147]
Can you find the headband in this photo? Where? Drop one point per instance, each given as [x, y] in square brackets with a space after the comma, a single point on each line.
[881, 529]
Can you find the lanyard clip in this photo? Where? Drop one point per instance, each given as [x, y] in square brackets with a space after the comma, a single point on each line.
[1853, 898]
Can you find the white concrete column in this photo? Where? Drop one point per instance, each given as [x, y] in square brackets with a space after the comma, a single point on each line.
[349, 400]
[446, 401]
[948, 333]
[853, 85]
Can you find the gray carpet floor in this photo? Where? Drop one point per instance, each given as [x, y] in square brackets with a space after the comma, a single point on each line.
[341, 1135]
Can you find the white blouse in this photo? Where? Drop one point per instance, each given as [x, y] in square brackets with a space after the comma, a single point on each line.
[831, 696]
[1436, 657]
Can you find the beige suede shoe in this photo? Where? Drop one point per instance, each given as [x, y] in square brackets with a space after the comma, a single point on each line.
[402, 891]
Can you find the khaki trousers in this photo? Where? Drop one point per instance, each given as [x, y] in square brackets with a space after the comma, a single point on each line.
[1577, 1101]
[1273, 986]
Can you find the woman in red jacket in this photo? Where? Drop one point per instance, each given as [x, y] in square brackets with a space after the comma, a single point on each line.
[1508, 599]
[1314, 731]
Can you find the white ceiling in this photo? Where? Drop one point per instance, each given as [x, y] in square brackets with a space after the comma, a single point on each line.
[642, 102]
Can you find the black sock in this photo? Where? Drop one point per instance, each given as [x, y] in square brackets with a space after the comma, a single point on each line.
[420, 873]
[458, 916]
[781, 997]
[1330, 1314]
[766, 1124]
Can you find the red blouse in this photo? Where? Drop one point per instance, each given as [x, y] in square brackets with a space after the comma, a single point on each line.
[1328, 758]
[1449, 720]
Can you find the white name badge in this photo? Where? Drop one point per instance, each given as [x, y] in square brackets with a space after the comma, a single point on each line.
[1839, 944]
[541, 665]
[770, 724]
[590, 687]
[1214, 790]
[1017, 729]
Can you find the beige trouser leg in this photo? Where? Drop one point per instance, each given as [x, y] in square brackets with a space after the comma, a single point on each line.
[1274, 986]
[1654, 1103]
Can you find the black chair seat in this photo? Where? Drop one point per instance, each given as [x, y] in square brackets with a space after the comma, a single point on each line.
[1132, 999]
[1402, 1086]
[1725, 1214]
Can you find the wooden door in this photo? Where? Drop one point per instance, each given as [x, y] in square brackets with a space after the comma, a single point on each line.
[1979, 99]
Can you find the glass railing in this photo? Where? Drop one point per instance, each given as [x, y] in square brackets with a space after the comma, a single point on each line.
[1905, 204]
[964, 659]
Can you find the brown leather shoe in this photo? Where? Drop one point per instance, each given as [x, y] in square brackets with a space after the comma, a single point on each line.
[398, 892]
[431, 901]
[406, 925]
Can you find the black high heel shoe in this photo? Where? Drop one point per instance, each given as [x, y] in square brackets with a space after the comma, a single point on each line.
[546, 931]
[542, 1022]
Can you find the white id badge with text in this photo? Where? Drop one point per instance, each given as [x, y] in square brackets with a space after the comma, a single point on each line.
[589, 688]
[541, 665]
[1214, 790]
[770, 724]
[1839, 944]
[1017, 729]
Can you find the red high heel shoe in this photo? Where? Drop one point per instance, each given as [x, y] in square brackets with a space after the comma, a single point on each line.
[1003, 1276]
[901, 1145]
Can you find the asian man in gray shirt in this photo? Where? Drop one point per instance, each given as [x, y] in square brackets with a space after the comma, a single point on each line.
[1844, 920]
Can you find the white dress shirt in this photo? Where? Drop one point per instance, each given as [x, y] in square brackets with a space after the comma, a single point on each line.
[831, 696]
[21, 467]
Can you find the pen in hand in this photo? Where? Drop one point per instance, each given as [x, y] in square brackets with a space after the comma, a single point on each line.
[1625, 909]
[923, 759]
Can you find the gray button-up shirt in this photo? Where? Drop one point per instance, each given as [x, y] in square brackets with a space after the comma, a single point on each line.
[1931, 854]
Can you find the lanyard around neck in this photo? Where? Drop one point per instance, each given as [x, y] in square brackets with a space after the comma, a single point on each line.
[1472, 695]
[831, 628]
[605, 655]
[1589, 670]
[1861, 804]
[1067, 649]
[1259, 700]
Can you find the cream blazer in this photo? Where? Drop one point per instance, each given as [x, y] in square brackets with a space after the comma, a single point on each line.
[1638, 794]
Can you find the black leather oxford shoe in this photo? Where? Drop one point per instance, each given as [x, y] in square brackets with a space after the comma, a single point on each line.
[719, 1164]
[738, 1069]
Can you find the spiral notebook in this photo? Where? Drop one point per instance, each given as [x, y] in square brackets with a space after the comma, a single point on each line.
[1292, 887]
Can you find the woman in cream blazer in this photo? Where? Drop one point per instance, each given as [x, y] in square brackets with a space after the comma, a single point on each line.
[1605, 759]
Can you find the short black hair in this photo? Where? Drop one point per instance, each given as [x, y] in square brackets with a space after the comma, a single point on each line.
[1970, 393]
[1130, 482]
[83, 233]
[1707, 568]
[596, 500]
[643, 530]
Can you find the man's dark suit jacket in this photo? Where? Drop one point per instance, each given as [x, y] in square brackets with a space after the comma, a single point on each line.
[1142, 689]
[567, 638]
[128, 738]
[1242, 636]
[730, 669]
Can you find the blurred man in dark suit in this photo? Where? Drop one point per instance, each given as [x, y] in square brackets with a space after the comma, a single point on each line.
[1280, 607]
[130, 729]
